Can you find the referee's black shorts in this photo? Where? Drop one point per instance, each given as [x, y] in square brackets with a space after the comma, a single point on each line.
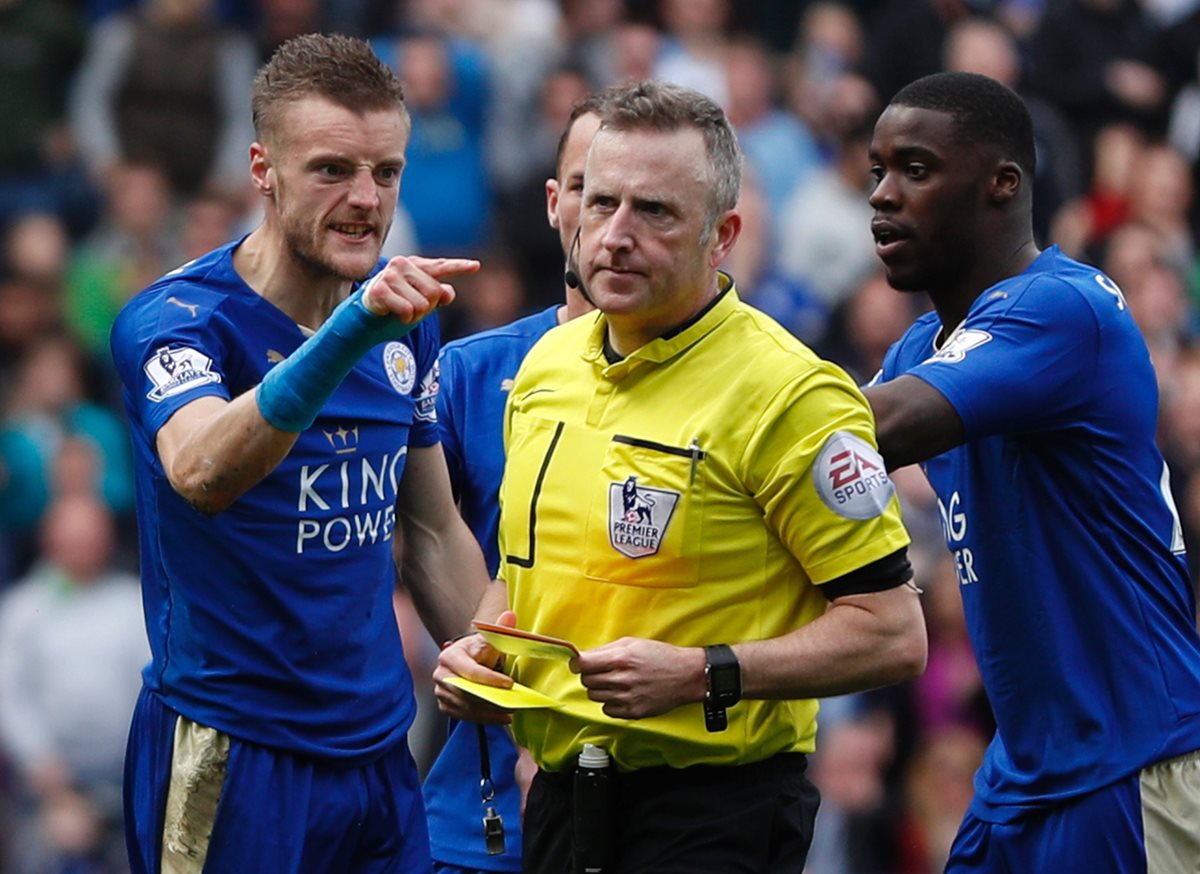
[744, 819]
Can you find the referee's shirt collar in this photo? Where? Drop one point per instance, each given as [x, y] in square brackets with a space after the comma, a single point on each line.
[670, 344]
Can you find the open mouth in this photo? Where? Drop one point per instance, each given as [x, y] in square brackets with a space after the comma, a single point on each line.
[887, 240]
[354, 232]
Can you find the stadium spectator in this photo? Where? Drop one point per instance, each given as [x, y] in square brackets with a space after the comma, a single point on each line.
[781, 151]
[446, 90]
[1096, 61]
[828, 46]
[41, 42]
[46, 408]
[165, 84]
[71, 646]
[135, 242]
[693, 49]
[824, 230]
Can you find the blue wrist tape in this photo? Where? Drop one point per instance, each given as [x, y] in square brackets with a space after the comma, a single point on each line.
[294, 390]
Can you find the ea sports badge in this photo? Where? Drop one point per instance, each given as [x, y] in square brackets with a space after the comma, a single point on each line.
[850, 477]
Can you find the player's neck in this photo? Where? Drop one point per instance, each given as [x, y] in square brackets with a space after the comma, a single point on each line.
[955, 300]
[262, 261]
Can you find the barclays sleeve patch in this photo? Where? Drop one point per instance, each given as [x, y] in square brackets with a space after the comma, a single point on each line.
[956, 348]
[850, 477]
[427, 394]
[176, 369]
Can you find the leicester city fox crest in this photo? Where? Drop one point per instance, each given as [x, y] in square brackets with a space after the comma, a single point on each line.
[638, 517]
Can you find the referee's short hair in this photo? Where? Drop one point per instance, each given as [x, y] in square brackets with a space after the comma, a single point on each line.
[338, 68]
[986, 113]
[651, 105]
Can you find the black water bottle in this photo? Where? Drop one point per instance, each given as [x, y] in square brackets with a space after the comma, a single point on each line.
[593, 812]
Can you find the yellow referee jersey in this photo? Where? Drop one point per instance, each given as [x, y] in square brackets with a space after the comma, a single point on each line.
[696, 493]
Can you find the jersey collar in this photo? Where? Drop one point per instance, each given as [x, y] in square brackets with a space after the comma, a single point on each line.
[675, 341]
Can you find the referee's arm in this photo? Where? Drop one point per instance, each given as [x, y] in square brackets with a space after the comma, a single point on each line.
[872, 634]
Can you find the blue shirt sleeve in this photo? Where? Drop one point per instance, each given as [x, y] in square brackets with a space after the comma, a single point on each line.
[167, 359]
[426, 343]
[1023, 361]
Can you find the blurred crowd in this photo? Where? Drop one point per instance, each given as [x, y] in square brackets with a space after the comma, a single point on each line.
[124, 154]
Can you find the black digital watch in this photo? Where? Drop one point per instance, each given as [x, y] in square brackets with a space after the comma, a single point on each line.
[724, 677]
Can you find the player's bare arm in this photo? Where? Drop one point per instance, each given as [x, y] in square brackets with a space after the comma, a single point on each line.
[913, 421]
[440, 563]
[214, 451]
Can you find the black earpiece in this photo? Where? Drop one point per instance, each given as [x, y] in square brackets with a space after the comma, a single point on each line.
[571, 277]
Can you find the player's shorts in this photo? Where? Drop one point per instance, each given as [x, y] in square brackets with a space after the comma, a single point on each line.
[198, 800]
[1148, 823]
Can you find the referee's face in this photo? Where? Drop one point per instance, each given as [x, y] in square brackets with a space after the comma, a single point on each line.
[333, 178]
[645, 258]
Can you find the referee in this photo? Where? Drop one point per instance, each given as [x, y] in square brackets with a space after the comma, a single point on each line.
[695, 500]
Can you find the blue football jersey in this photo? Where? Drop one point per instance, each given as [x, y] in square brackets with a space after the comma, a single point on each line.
[1068, 547]
[273, 619]
[476, 373]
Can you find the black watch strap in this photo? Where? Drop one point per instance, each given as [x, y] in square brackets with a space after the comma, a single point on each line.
[724, 677]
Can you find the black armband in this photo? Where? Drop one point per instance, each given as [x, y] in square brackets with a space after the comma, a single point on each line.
[878, 576]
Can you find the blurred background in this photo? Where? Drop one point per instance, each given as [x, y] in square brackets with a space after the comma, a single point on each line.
[124, 154]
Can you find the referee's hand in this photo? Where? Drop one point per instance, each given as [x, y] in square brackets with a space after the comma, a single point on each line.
[471, 657]
[634, 677]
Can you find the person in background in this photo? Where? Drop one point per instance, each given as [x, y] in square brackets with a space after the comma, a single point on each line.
[164, 83]
[71, 647]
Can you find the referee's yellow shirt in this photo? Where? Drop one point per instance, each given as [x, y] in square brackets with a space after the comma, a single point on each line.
[696, 492]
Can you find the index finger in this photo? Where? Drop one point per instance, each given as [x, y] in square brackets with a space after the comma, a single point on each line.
[441, 267]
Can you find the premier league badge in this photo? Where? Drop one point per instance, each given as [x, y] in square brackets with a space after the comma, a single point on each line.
[638, 517]
[176, 369]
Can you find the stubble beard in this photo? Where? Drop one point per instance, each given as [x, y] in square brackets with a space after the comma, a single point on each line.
[304, 248]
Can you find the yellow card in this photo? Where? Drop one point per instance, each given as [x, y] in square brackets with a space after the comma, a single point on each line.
[517, 698]
[514, 641]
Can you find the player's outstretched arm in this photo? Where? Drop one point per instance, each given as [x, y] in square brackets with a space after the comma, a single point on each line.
[213, 451]
[913, 421]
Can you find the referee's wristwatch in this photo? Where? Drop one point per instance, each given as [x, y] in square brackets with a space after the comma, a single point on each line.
[724, 677]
